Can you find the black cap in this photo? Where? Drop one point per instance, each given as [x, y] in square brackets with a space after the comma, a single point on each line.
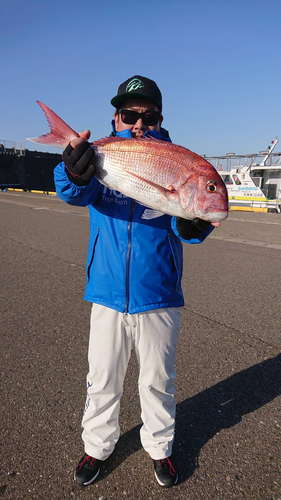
[138, 86]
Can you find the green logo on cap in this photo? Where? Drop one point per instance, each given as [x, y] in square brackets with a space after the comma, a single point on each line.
[134, 84]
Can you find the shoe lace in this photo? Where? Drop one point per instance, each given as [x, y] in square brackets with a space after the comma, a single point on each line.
[87, 459]
[167, 462]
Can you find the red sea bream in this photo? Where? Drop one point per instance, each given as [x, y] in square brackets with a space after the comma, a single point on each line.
[163, 176]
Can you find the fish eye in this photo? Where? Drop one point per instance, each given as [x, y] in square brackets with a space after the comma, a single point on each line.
[211, 186]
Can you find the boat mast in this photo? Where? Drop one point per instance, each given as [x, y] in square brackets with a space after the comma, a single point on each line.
[268, 153]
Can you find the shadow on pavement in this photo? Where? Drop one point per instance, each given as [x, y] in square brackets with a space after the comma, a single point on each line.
[201, 417]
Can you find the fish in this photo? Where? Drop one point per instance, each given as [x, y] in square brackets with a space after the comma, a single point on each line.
[164, 177]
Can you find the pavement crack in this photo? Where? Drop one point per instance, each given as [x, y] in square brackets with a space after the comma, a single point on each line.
[15, 240]
[237, 330]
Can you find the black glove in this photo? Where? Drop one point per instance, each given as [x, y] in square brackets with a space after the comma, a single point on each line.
[79, 163]
[188, 229]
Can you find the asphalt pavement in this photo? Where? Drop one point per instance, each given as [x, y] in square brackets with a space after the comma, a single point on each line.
[228, 381]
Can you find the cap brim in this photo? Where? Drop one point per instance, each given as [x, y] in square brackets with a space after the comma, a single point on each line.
[118, 99]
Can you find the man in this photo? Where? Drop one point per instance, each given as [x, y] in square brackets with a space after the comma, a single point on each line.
[134, 270]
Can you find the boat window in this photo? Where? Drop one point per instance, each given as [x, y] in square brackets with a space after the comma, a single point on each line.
[227, 179]
[236, 180]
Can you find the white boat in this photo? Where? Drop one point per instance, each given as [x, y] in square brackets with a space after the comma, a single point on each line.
[255, 187]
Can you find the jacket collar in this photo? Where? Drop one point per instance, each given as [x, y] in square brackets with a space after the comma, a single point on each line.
[163, 135]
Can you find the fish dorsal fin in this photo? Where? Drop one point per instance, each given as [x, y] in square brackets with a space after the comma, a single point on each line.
[110, 140]
[156, 147]
[60, 134]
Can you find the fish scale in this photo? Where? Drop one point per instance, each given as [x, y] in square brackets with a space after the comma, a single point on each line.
[140, 164]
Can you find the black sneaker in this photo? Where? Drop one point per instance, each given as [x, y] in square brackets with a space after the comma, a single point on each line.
[165, 473]
[87, 470]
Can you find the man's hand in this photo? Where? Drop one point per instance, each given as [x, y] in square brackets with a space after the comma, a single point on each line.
[193, 228]
[78, 158]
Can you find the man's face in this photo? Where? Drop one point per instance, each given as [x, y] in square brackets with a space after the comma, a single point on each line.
[139, 128]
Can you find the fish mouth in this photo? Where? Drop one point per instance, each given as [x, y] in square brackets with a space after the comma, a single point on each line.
[215, 216]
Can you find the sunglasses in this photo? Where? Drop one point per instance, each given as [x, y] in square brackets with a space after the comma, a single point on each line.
[130, 117]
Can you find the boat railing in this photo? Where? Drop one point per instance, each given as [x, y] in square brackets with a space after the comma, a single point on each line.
[14, 147]
[226, 162]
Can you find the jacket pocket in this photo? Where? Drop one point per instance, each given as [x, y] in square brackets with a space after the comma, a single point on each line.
[174, 263]
[91, 255]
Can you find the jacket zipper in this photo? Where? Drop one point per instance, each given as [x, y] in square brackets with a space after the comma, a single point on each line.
[129, 256]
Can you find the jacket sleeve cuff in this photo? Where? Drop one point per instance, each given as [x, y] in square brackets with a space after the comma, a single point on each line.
[198, 239]
[70, 192]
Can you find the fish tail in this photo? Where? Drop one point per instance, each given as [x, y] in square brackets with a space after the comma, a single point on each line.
[60, 133]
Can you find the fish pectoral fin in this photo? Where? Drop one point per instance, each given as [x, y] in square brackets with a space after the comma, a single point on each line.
[172, 195]
[146, 180]
[167, 191]
[149, 214]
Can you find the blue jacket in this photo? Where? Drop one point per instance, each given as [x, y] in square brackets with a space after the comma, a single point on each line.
[133, 264]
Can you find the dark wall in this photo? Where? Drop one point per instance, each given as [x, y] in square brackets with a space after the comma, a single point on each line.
[32, 171]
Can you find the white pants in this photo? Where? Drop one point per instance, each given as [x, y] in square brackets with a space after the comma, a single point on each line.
[154, 335]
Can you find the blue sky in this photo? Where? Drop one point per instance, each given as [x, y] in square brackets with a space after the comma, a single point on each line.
[217, 63]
